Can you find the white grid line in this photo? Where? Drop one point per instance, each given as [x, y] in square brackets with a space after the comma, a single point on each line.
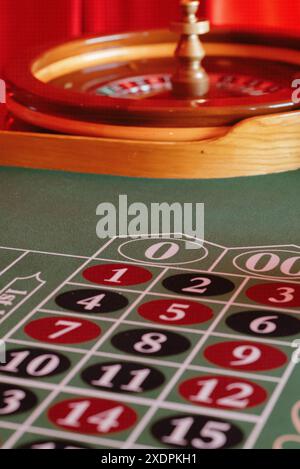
[78, 438]
[149, 361]
[186, 269]
[14, 263]
[131, 290]
[281, 385]
[237, 374]
[201, 299]
[9, 425]
[218, 260]
[75, 437]
[269, 407]
[242, 274]
[179, 329]
[56, 290]
[137, 400]
[38, 411]
[46, 346]
[90, 316]
[48, 253]
[176, 378]
[23, 301]
[37, 384]
[11, 441]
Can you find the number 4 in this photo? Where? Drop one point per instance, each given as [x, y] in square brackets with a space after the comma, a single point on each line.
[91, 303]
[107, 420]
[104, 421]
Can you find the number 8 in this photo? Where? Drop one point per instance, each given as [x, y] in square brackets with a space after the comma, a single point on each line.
[150, 343]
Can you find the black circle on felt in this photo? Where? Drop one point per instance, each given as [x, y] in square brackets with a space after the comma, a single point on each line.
[164, 427]
[57, 444]
[217, 286]
[286, 325]
[111, 302]
[94, 373]
[63, 363]
[29, 401]
[173, 344]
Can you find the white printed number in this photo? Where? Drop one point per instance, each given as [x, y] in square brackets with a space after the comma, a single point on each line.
[175, 312]
[12, 400]
[296, 354]
[286, 295]
[211, 436]
[91, 303]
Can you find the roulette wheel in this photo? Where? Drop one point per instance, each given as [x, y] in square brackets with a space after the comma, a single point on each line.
[192, 106]
[120, 333]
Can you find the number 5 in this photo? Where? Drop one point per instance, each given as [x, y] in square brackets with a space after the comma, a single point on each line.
[214, 431]
[176, 309]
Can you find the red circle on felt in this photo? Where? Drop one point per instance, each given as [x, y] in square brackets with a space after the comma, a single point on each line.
[62, 330]
[278, 295]
[117, 274]
[177, 312]
[92, 416]
[250, 356]
[225, 393]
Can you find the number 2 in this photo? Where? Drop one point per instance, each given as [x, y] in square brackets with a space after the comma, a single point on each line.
[200, 287]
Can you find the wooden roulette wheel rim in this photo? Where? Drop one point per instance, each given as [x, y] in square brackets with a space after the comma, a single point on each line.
[155, 137]
[36, 98]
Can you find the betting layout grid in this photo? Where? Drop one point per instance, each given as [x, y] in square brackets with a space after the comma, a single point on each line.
[137, 347]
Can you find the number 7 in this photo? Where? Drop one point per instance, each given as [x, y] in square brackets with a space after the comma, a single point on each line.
[68, 326]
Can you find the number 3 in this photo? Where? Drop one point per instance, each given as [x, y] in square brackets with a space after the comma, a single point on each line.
[12, 400]
[286, 294]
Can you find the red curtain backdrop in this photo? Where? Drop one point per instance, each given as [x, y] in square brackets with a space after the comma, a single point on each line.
[121, 15]
[24, 23]
[278, 14]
